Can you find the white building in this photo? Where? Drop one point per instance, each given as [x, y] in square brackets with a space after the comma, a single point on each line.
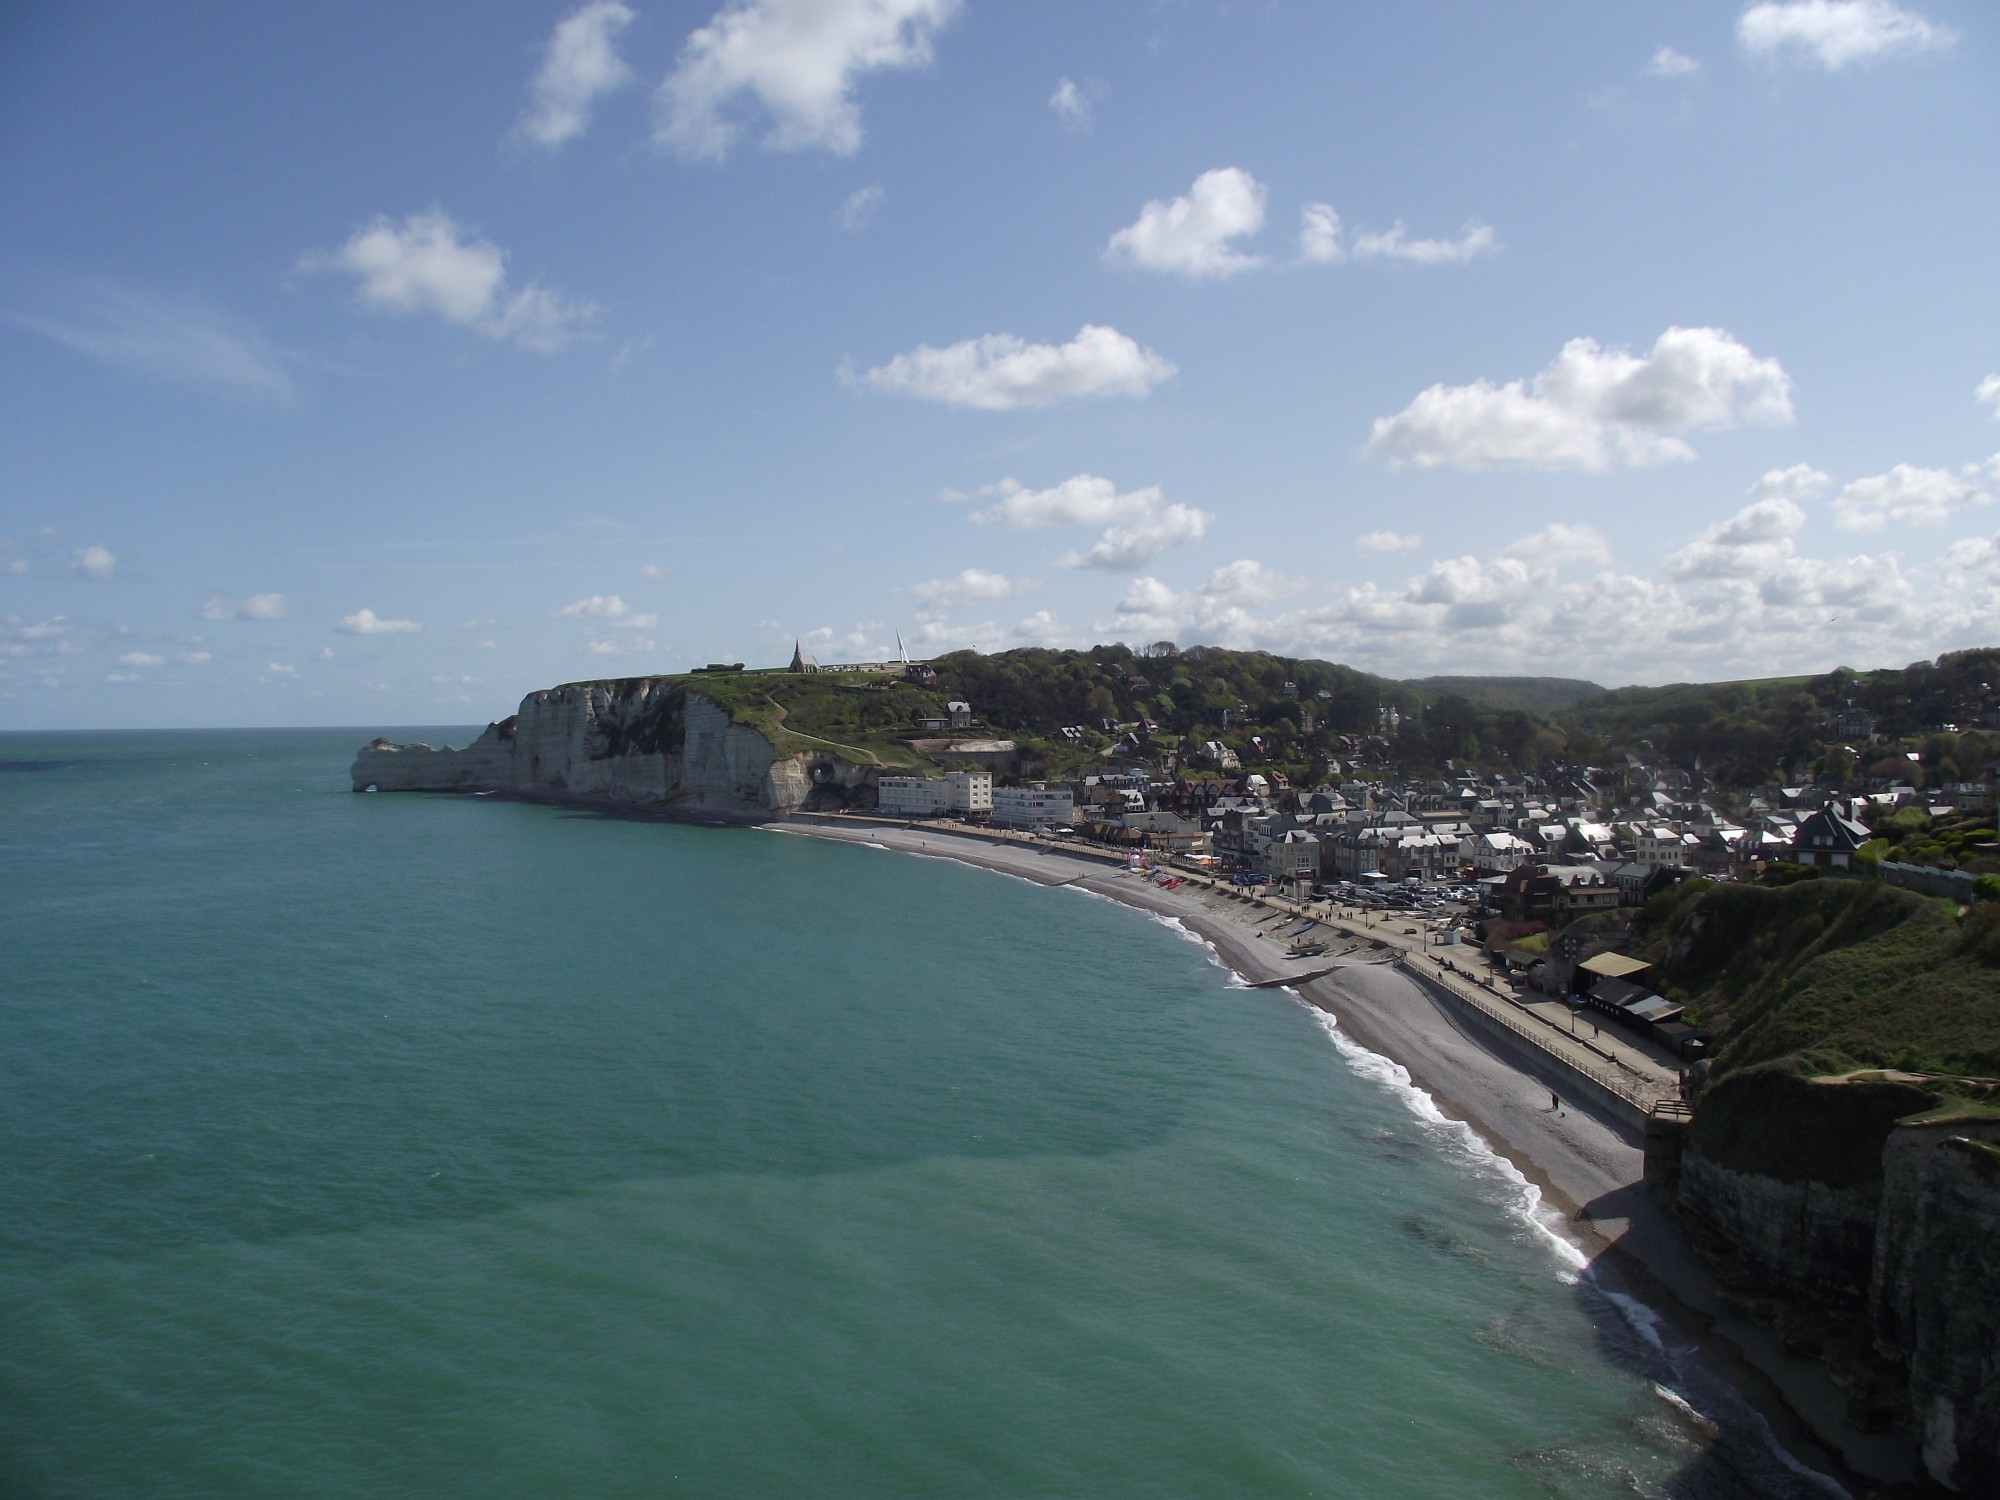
[1495, 853]
[912, 796]
[969, 791]
[1661, 845]
[1034, 806]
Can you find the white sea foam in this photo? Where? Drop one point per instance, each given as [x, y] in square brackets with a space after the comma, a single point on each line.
[1461, 1142]
[1181, 930]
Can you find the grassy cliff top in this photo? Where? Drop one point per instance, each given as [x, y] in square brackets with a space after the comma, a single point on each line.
[1833, 975]
[860, 716]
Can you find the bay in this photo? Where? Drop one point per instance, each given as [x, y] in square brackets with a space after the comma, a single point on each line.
[414, 1145]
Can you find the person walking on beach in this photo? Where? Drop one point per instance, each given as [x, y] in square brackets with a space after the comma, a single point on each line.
[1555, 1103]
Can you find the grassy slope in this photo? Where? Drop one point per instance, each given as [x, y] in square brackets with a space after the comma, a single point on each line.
[1535, 695]
[1834, 974]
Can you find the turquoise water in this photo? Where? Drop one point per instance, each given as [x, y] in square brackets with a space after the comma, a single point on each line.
[422, 1146]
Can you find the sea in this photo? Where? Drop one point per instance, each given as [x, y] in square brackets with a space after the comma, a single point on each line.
[386, 1145]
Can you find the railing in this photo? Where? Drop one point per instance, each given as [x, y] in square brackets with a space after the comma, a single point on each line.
[1632, 1090]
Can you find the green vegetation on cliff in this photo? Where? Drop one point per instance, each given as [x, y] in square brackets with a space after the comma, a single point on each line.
[1535, 695]
[1748, 732]
[1832, 975]
[1068, 709]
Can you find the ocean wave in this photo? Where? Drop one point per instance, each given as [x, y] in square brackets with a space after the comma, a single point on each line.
[1523, 1198]
[1709, 1403]
[1180, 929]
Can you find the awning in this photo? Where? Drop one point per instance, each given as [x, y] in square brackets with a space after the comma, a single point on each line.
[1614, 966]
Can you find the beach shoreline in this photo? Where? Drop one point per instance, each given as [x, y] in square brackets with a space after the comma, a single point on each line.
[1586, 1161]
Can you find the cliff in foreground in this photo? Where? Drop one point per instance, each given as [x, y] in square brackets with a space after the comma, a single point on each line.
[1842, 1169]
[647, 742]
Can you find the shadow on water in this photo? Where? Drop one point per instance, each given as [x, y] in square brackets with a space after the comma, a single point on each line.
[1686, 1411]
[1722, 1447]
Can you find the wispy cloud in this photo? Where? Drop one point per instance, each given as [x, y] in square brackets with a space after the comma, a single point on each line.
[860, 206]
[427, 264]
[1138, 524]
[1075, 104]
[1838, 34]
[581, 65]
[367, 622]
[177, 340]
[256, 607]
[999, 372]
[98, 563]
[799, 60]
[1394, 243]
[1667, 63]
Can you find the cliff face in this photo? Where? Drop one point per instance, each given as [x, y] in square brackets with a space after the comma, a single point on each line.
[1805, 1237]
[1826, 1197]
[1937, 1299]
[643, 741]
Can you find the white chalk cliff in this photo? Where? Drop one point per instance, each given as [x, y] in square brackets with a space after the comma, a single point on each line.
[641, 741]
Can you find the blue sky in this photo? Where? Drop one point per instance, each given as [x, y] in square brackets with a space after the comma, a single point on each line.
[379, 363]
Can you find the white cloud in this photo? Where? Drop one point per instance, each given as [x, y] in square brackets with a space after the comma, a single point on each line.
[860, 206]
[1740, 600]
[141, 659]
[1593, 408]
[1319, 235]
[1081, 500]
[999, 372]
[1394, 244]
[799, 59]
[1247, 581]
[162, 338]
[1139, 524]
[1387, 541]
[99, 563]
[1754, 542]
[937, 597]
[596, 607]
[53, 628]
[1667, 63]
[635, 646]
[654, 571]
[256, 607]
[427, 265]
[1133, 544]
[1836, 34]
[1076, 103]
[367, 622]
[477, 623]
[1910, 496]
[582, 64]
[1989, 393]
[1194, 235]
[1799, 482]
[194, 658]
[1562, 545]
[279, 669]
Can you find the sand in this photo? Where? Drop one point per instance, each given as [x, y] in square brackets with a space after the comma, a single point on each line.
[1587, 1161]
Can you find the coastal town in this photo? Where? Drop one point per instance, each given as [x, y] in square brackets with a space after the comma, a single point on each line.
[1718, 960]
